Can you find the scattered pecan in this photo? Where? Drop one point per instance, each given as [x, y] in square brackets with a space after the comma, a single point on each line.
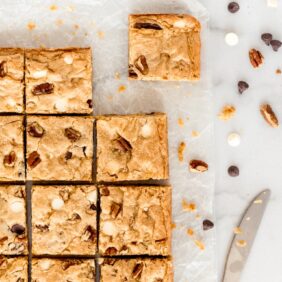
[122, 145]
[269, 115]
[33, 159]
[131, 73]
[115, 209]
[137, 270]
[18, 229]
[147, 26]
[42, 228]
[68, 155]
[89, 233]
[111, 251]
[72, 134]
[34, 129]
[10, 159]
[43, 88]
[105, 191]
[3, 69]
[207, 224]
[198, 166]
[256, 58]
[141, 64]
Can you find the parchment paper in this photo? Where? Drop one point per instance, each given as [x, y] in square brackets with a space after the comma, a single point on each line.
[102, 24]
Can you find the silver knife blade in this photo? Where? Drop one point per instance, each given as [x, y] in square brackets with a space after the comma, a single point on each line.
[242, 242]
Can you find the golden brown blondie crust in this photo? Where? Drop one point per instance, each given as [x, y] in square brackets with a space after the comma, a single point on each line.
[164, 47]
[13, 269]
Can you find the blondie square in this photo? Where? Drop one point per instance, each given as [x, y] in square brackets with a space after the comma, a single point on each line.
[135, 220]
[11, 80]
[58, 80]
[13, 269]
[59, 148]
[11, 148]
[136, 270]
[132, 147]
[13, 230]
[164, 47]
[62, 270]
[64, 220]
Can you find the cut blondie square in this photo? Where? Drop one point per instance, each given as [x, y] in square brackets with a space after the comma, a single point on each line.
[11, 149]
[11, 80]
[59, 148]
[64, 220]
[132, 147]
[13, 230]
[164, 47]
[58, 80]
[135, 220]
[13, 269]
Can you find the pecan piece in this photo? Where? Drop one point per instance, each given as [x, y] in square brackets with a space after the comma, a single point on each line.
[33, 159]
[198, 166]
[122, 145]
[3, 69]
[2, 240]
[72, 134]
[10, 159]
[34, 129]
[18, 229]
[111, 251]
[115, 209]
[256, 58]
[269, 115]
[137, 270]
[43, 88]
[89, 233]
[141, 64]
[147, 26]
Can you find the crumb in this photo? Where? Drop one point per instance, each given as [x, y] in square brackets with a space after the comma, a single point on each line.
[110, 98]
[198, 217]
[59, 22]
[241, 243]
[31, 25]
[199, 244]
[117, 75]
[101, 34]
[195, 133]
[70, 8]
[173, 225]
[258, 201]
[85, 34]
[53, 7]
[190, 207]
[121, 88]
[237, 230]
[181, 149]
[278, 71]
[227, 112]
[190, 232]
[76, 26]
[180, 122]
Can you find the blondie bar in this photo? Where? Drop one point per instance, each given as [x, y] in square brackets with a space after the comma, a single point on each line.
[59, 148]
[13, 269]
[164, 47]
[132, 147]
[135, 220]
[58, 80]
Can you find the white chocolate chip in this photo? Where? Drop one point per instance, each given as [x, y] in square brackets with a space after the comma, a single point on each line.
[146, 130]
[44, 264]
[272, 3]
[92, 196]
[109, 229]
[57, 204]
[17, 206]
[179, 24]
[68, 59]
[234, 139]
[231, 39]
[60, 105]
[39, 74]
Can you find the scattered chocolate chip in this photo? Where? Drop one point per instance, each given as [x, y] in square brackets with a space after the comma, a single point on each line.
[269, 115]
[198, 166]
[147, 26]
[42, 228]
[34, 129]
[89, 233]
[266, 38]
[207, 224]
[233, 7]
[122, 145]
[242, 86]
[18, 229]
[68, 155]
[111, 251]
[115, 209]
[132, 74]
[72, 134]
[3, 69]
[137, 270]
[275, 44]
[141, 64]
[90, 103]
[256, 58]
[233, 171]
[105, 191]
[43, 88]
[33, 159]
[10, 159]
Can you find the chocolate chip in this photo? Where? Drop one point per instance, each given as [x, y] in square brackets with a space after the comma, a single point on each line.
[18, 229]
[34, 129]
[43, 88]
[90, 103]
[72, 134]
[84, 151]
[33, 159]
[115, 209]
[3, 69]
[137, 270]
[93, 207]
[242, 86]
[141, 64]
[147, 26]
[10, 159]
[75, 216]
[233, 171]
[266, 38]
[207, 224]
[68, 155]
[89, 233]
[275, 44]
[233, 7]
[111, 251]
[132, 74]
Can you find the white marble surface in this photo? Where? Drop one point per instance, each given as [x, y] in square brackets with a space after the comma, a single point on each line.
[260, 154]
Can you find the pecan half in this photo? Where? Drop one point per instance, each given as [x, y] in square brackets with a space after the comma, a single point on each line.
[10, 159]
[256, 58]
[34, 129]
[111, 251]
[18, 229]
[115, 209]
[33, 159]
[3, 69]
[43, 88]
[72, 134]
[141, 64]
[89, 233]
[147, 26]
[269, 115]
[198, 166]
[122, 145]
[137, 270]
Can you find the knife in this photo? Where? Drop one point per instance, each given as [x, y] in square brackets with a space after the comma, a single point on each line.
[244, 237]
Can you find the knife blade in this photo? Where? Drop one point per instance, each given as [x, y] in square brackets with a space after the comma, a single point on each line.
[244, 238]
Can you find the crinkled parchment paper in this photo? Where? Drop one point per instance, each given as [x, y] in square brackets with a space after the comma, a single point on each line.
[102, 24]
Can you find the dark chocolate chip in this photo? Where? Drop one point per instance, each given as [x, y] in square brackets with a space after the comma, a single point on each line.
[233, 7]
[18, 229]
[90, 103]
[93, 207]
[147, 26]
[266, 38]
[207, 224]
[43, 88]
[242, 86]
[68, 155]
[275, 44]
[233, 171]
[10, 159]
